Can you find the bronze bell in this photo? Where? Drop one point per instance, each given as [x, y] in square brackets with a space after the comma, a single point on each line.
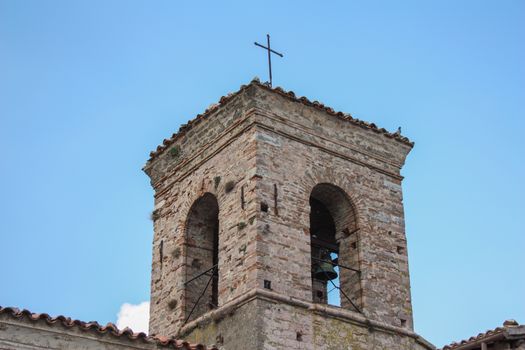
[324, 271]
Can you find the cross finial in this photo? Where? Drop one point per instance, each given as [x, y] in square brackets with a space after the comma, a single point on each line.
[270, 51]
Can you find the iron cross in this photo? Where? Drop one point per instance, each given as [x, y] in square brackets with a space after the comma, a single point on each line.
[270, 51]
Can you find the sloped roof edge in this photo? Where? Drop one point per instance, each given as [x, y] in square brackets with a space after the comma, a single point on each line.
[490, 334]
[96, 328]
[288, 94]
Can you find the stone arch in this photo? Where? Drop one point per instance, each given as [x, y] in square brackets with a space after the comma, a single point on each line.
[201, 256]
[339, 178]
[334, 236]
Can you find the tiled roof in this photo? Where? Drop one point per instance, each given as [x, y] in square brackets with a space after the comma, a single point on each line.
[95, 327]
[288, 94]
[493, 333]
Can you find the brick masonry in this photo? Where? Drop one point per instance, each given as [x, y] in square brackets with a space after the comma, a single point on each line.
[261, 157]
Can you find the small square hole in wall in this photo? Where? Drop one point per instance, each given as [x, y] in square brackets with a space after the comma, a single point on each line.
[267, 284]
[196, 263]
[403, 322]
[264, 207]
[299, 336]
[319, 294]
[400, 250]
[354, 245]
[172, 304]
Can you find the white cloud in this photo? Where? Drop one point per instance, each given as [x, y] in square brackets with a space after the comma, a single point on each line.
[135, 317]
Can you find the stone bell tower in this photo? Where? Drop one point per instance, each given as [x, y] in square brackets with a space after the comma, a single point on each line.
[279, 225]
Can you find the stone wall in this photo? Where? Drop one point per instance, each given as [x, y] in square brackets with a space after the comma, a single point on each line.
[299, 148]
[217, 158]
[232, 328]
[266, 320]
[261, 155]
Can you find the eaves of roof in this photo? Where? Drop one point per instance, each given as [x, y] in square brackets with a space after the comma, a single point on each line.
[96, 328]
[287, 94]
[497, 334]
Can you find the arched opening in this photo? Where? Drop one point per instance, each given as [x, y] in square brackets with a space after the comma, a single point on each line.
[202, 257]
[334, 248]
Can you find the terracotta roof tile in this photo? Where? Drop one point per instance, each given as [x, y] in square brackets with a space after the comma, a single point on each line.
[288, 94]
[481, 336]
[95, 327]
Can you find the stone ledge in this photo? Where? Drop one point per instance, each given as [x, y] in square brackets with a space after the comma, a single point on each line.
[325, 310]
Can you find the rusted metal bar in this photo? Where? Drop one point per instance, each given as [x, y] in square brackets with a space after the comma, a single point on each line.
[342, 292]
[347, 297]
[276, 211]
[336, 264]
[242, 197]
[199, 299]
[200, 274]
[319, 243]
[161, 252]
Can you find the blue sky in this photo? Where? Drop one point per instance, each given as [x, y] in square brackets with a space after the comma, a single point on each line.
[89, 88]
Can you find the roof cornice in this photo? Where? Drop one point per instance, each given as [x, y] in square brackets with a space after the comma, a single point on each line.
[290, 95]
